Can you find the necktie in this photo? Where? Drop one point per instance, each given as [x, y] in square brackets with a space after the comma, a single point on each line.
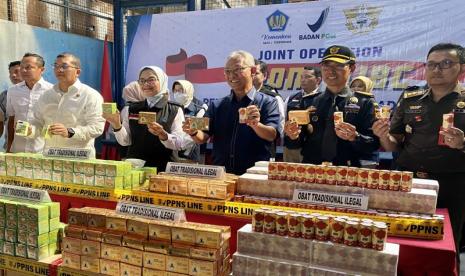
[329, 144]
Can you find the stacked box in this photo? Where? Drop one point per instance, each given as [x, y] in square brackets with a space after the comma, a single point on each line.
[29, 230]
[101, 241]
[259, 253]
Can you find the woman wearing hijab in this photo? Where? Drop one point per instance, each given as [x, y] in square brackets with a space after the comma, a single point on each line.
[153, 142]
[362, 84]
[183, 94]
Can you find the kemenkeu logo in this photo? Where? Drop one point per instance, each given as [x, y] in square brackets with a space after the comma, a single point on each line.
[277, 21]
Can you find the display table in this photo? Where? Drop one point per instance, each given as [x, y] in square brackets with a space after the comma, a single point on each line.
[417, 257]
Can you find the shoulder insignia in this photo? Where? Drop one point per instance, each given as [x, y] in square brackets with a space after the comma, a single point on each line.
[411, 94]
[353, 100]
[365, 94]
[412, 88]
[461, 104]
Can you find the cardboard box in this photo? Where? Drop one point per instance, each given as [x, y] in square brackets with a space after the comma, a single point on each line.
[108, 267]
[37, 253]
[92, 235]
[160, 231]
[90, 248]
[133, 242]
[138, 227]
[71, 245]
[54, 223]
[130, 270]
[53, 248]
[97, 220]
[177, 185]
[53, 209]
[116, 223]
[68, 177]
[21, 250]
[180, 250]
[157, 247]
[71, 260]
[54, 236]
[21, 128]
[11, 235]
[209, 237]
[22, 235]
[132, 256]
[177, 264]
[219, 189]
[37, 240]
[202, 268]
[153, 272]
[110, 252]
[183, 235]
[197, 188]
[112, 238]
[39, 227]
[8, 248]
[158, 183]
[154, 261]
[90, 264]
[73, 232]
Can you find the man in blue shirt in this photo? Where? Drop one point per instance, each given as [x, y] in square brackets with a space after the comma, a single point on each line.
[236, 145]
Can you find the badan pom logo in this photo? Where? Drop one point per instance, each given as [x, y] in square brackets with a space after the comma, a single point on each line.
[277, 21]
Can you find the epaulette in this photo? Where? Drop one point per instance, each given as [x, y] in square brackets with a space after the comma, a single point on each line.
[411, 94]
[368, 94]
[313, 94]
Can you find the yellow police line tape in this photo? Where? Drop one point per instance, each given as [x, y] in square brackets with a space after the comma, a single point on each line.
[403, 227]
[27, 266]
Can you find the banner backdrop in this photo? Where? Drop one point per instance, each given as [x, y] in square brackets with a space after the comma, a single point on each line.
[389, 38]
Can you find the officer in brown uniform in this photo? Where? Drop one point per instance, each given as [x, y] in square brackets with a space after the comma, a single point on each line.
[415, 130]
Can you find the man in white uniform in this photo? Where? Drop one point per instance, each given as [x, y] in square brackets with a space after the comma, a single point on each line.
[71, 111]
[22, 98]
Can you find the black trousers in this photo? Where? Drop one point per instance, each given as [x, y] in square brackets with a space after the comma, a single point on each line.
[452, 196]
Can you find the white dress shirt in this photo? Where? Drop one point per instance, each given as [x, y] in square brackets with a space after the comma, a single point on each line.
[21, 102]
[176, 137]
[80, 108]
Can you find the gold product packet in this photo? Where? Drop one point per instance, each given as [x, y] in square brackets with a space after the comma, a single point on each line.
[22, 128]
[46, 132]
[301, 117]
[199, 123]
[146, 118]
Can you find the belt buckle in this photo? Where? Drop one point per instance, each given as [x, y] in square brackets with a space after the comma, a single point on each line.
[423, 175]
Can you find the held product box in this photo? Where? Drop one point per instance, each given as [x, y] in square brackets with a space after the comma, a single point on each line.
[199, 123]
[109, 108]
[147, 117]
[301, 117]
[21, 128]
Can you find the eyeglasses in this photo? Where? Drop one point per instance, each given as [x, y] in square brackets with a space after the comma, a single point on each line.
[63, 66]
[234, 71]
[334, 67]
[444, 64]
[148, 81]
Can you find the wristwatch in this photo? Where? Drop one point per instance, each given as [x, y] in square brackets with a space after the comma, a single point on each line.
[70, 132]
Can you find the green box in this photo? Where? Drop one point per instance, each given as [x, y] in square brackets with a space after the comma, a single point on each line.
[116, 182]
[22, 235]
[53, 248]
[99, 180]
[53, 236]
[47, 174]
[88, 168]
[26, 172]
[58, 165]
[37, 173]
[10, 160]
[128, 181]
[2, 233]
[11, 221]
[53, 209]
[47, 164]
[37, 240]
[11, 171]
[100, 168]
[78, 178]
[89, 179]
[9, 248]
[19, 160]
[57, 176]
[37, 253]
[28, 161]
[11, 208]
[11, 235]
[109, 108]
[117, 168]
[54, 223]
[37, 212]
[3, 170]
[68, 177]
[37, 163]
[38, 227]
[21, 250]
[2, 242]
[68, 165]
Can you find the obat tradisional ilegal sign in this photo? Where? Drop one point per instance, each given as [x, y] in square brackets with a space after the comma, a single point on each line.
[353, 201]
[67, 153]
[24, 193]
[151, 211]
[195, 170]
